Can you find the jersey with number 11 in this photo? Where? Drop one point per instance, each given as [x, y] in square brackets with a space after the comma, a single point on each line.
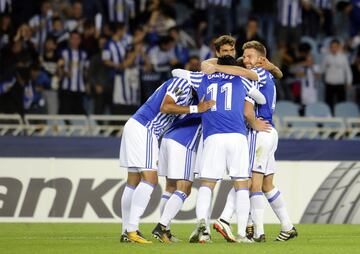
[227, 115]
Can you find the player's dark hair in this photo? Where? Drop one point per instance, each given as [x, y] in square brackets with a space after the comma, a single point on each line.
[226, 60]
[224, 40]
[258, 46]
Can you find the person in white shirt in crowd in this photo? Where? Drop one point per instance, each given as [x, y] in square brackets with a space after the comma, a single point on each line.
[337, 74]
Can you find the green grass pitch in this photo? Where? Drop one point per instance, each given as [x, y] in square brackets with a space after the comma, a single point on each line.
[104, 238]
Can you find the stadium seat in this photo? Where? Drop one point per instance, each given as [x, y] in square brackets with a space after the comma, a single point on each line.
[346, 109]
[286, 108]
[318, 109]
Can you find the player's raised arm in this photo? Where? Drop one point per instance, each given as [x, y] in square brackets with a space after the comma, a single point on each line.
[209, 66]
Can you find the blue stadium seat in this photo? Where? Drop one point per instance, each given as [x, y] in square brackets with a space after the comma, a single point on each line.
[346, 109]
[286, 108]
[318, 109]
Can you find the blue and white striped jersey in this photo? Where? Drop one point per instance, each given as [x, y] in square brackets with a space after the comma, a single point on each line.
[229, 92]
[268, 89]
[42, 26]
[119, 10]
[114, 51]
[290, 13]
[149, 114]
[75, 63]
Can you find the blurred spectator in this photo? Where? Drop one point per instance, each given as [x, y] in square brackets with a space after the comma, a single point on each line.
[41, 25]
[73, 66]
[58, 32]
[100, 81]
[308, 73]
[250, 33]
[6, 98]
[91, 8]
[20, 51]
[12, 98]
[90, 39]
[5, 6]
[205, 52]
[76, 20]
[35, 102]
[289, 17]
[181, 44]
[355, 68]
[264, 11]
[337, 74]
[49, 60]
[219, 17]
[6, 30]
[284, 58]
[310, 25]
[161, 20]
[162, 57]
[120, 10]
[355, 17]
[325, 9]
[115, 57]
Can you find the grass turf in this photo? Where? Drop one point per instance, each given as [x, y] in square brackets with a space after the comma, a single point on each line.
[104, 238]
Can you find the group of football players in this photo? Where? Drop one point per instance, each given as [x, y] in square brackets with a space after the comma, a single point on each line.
[212, 123]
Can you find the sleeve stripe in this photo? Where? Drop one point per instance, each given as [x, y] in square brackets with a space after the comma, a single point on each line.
[173, 85]
[247, 84]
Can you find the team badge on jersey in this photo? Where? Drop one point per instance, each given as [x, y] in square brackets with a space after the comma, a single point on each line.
[178, 91]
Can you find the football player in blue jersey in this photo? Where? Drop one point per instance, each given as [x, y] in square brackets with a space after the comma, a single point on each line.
[176, 162]
[225, 148]
[264, 145]
[139, 148]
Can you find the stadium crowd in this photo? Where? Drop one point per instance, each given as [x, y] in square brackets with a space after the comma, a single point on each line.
[109, 56]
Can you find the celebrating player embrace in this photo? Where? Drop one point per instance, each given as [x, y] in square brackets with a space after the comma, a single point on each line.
[204, 120]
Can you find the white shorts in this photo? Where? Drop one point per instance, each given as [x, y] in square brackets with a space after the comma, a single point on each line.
[176, 161]
[199, 152]
[225, 153]
[266, 145]
[139, 147]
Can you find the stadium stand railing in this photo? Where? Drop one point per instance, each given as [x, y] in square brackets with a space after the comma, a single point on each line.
[289, 127]
[312, 127]
[11, 124]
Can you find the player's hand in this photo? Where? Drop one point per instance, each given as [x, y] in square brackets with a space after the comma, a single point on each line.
[264, 63]
[207, 68]
[205, 105]
[262, 125]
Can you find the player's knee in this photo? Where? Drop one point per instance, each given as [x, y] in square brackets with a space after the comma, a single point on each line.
[170, 189]
[170, 185]
[267, 187]
[184, 186]
[255, 187]
[151, 178]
